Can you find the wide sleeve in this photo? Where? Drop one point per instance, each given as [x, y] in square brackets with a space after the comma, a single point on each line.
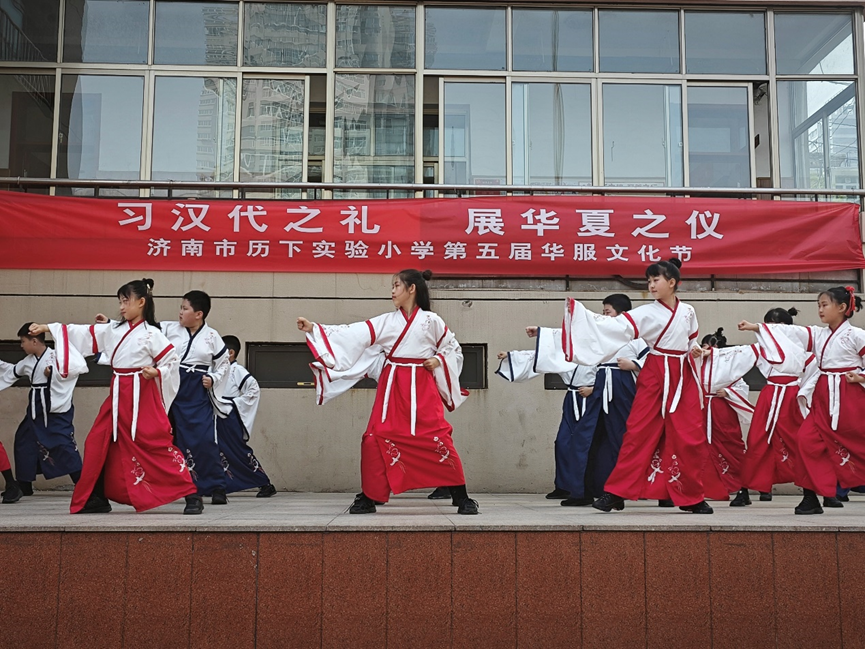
[73, 342]
[549, 355]
[808, 383]
[737, 397]
[802, 336]
[10, 373]
[729, 365]
[339, 347]
[447, 374]
[167, 362]
[220, 367]
[329, 383]
[247, 401]
[591, 339]
[518, 366]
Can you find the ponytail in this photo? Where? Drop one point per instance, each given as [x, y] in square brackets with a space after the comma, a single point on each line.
[846, 297]
[413, 277]
[141, 288]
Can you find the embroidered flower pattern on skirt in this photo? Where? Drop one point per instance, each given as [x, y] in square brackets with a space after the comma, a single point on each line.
[178, 458]
[675, 473]
[394, 453]
[138, 472]
[226, 468]
[444, 452]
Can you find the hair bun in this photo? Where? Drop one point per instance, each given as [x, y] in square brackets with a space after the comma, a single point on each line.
[793, 311]
[427, 275]
[148, 283]
[675, 261]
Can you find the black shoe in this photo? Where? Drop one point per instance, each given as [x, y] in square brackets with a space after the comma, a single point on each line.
[468, 507]
[440, 493]
[26, 488]
[96, 505]
[608, 502]
[218, 497]
[362, 505]
[666, 503]
[700, 508]
[557, 494]
[742, 499]
[577, 502]
[194, 505]
[809, 505]
[765, 496]
[844, 499]
[377, 502]
[266, 491]
[13, 493]
[832, 502]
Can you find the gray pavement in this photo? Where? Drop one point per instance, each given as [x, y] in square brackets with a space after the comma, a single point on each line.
[48, 511]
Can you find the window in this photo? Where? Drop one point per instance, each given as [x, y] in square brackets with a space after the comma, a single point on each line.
[29, 30]
[285, 35]
[375, 37]
[813, 43]
[465, 39]
[474, 133]
[196, 33]
[719, 140]
[26, 122]
[106, 31]
[639, 41]
[725, 42]
[552, 40]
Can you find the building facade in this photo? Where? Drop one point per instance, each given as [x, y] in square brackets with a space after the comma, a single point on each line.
[485, 95]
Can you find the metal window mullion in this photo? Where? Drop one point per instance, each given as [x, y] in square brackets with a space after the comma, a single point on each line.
[330, 105]
[682, 61]
[686, 141]
[305, 157]
[238, 115]
[599, 108]
[441, 134]
[55, 127]
[61, 22]
[420, 53]
[597, 136]
[146, 131]
[240, 47]
[509, 141]
[596, 40]
[774, 122]
[752, 151]
[859, 62]
[151, 33]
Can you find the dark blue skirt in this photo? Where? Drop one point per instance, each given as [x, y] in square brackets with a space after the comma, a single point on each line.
[194, 424]
[242, 469]
[49, 450]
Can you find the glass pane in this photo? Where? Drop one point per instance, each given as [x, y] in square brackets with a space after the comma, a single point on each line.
[193, 128]
[552, 134]
[285, 35]
[639, 41]
[374, 37]
[817, 134]
[373, 129]
[196, 33]
[722, 42]
[643, 147]
[551, 40]
[474, 134]
[100, 127]
[106, 31]
[29, 30]
[813, 43]
[719, 140]
[271, 132]
[26, 120]
[465, 39]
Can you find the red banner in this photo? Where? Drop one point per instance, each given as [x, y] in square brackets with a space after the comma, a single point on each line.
[489, 235]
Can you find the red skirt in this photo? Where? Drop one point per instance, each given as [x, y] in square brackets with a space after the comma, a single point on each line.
[145, 473]
[662, 457]
[827, 456]
[770, 462]
[723, 473]
[392, 459]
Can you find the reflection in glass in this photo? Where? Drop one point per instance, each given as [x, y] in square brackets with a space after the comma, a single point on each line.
[552, 134]
[193, 128]
[817, 134]
[465, 39]
[374, 37]
[639, 41]
[552, 40]
[106, 31]
[373, 130]
[643, 135]
[813, 43]
[285, 35]
[474, 134]
[26, 119]
[271, 131]
[719, 140]
[29, 30]
[725, 42]
[100, 127]
[196, 33]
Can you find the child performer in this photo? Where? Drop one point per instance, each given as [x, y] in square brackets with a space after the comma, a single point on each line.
[547, 357]
[45, 439]
[773, 451]
[238, 406]
[831, 445]
[129, 455]
[726, 411]
[664, 449]
[407, 444]
[204, 367]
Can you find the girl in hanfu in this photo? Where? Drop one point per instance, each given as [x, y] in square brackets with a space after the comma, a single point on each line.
[129, 455]
[407, 443]
[831, 442]
[664, 449]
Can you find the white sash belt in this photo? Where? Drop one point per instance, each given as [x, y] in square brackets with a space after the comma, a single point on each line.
[779, 390]
[834, 380]
[41, 387]
[678, 394]
[414, 367]
[579, 411]
[115, 400]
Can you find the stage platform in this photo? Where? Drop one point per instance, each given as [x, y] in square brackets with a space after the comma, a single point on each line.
[297, 570]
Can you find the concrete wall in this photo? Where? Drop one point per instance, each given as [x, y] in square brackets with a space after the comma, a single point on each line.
[504, 434]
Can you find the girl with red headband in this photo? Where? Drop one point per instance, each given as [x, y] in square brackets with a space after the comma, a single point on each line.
[830, 440]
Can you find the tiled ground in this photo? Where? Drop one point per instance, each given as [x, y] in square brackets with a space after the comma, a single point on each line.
[296, 571]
